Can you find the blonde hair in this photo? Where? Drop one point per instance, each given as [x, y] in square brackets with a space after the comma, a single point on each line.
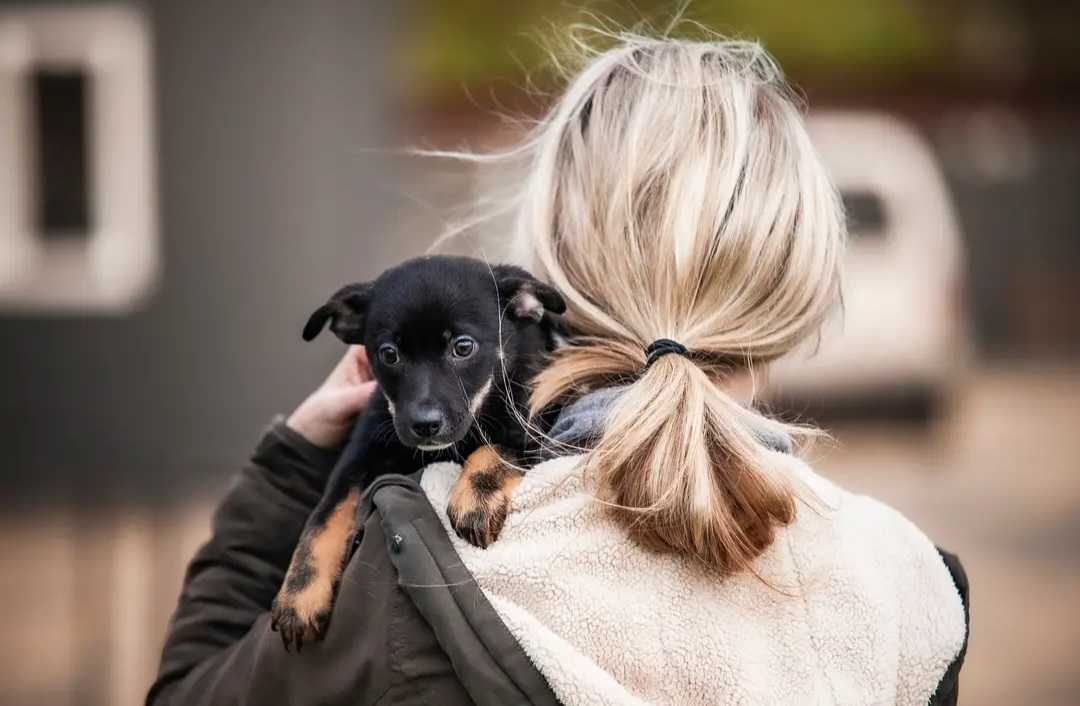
[672, 192]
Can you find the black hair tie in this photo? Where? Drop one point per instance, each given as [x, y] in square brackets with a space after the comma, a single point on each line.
[661, 347]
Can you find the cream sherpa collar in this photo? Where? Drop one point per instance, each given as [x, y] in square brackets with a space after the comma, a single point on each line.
[861, 609]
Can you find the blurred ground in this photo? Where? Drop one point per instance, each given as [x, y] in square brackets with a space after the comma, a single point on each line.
[995, 482]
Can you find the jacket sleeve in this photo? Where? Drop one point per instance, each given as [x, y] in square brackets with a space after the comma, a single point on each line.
[234, 577]
[948, 690]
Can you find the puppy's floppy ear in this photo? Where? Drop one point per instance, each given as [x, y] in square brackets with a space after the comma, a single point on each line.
[526, 296]
[345, 310]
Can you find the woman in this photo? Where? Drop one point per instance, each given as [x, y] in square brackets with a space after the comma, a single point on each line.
[675, 549]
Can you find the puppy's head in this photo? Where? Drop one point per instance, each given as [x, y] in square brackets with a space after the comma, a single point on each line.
[438, 332]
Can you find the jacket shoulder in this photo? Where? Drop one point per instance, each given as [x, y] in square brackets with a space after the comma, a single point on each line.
[875, 577]
[488, 663]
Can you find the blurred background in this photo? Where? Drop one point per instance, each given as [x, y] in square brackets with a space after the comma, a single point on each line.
[181, 182]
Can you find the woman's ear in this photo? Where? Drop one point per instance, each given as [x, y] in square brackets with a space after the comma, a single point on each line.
[527, 297]
[346, 311]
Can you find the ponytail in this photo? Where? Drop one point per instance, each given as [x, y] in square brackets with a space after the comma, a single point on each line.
[680, 463]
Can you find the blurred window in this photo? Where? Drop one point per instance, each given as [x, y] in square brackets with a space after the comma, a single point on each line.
[63, 208]
[78, 201]
[865, 213]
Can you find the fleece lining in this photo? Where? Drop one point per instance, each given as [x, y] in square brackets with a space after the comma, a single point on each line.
[851, 604]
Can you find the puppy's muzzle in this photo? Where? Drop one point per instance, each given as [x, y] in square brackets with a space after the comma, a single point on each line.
[428, 423]
[426, 428]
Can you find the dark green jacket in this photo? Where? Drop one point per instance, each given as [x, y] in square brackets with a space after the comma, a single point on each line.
[410, 625]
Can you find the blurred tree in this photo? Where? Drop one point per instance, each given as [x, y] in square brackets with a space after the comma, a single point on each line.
[841, 45]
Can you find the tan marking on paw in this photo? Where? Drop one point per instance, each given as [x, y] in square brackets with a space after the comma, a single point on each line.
[480, 500]
[464, 498]
[325, 559]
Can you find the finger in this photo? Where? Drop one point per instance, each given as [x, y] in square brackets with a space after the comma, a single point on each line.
[352, 368]
[353, 398]
[363, 365]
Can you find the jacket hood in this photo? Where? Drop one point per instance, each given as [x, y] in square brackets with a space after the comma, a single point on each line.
[580, 423]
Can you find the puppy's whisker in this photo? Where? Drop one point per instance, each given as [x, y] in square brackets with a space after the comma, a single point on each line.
[478, 428]
[533, 431]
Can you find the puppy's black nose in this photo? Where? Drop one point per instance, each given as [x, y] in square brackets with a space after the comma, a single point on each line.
[427, 422]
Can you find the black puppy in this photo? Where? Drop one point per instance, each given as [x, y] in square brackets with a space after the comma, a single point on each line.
[453, 344]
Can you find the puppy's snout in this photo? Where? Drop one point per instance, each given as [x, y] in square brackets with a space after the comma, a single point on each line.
[428, 422]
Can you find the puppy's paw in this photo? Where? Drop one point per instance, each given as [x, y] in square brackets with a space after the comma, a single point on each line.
[479, 523]
[480, 500]
[301, 616]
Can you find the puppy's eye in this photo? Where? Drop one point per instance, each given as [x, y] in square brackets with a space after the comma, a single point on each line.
[388, 354]
[463, 347]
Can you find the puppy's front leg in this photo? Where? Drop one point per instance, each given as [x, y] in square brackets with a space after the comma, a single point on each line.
[302, 608]
[480, 500]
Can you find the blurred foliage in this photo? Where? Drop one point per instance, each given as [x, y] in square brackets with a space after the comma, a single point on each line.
[836, 42]
[478, 41]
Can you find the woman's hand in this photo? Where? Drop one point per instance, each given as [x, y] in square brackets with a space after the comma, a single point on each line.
[326, 416]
